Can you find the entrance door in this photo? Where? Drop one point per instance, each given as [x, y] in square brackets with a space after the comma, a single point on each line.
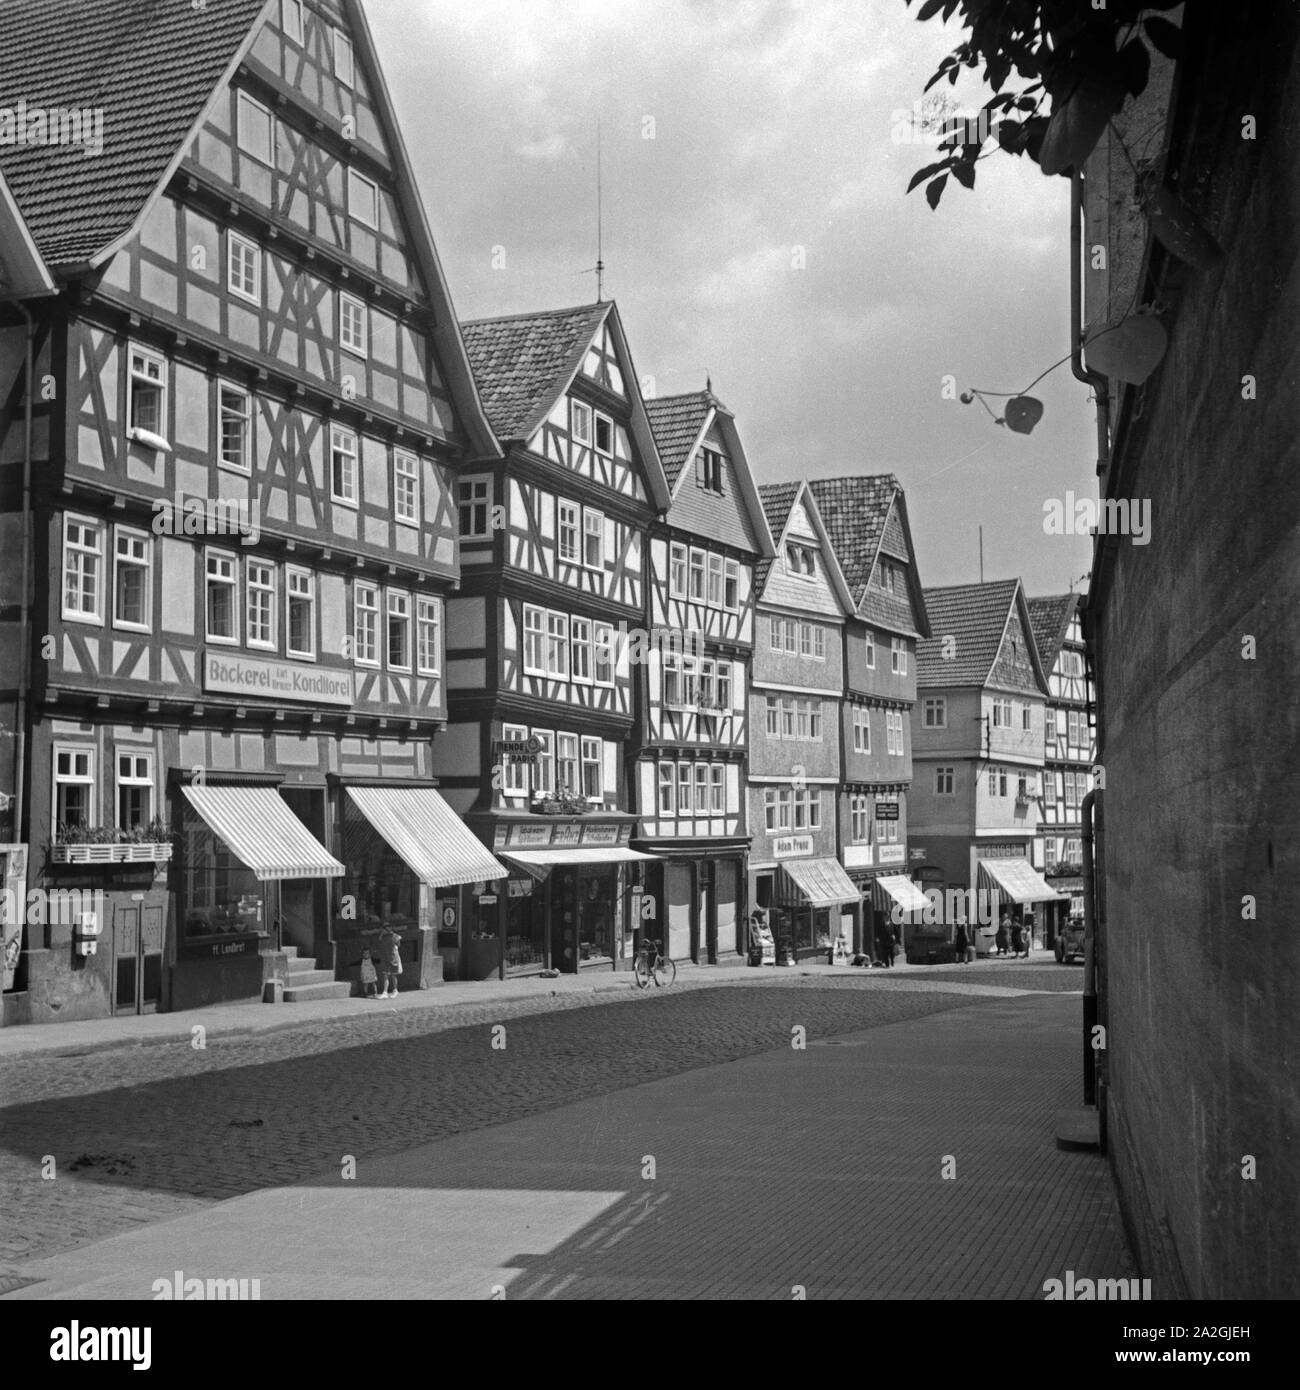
[304, 902]
[137, 959]
[706, 915]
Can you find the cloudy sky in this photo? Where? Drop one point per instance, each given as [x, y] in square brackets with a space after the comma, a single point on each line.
[756, 229]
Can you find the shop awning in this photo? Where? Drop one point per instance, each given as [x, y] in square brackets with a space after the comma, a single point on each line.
[897, 889]
[1017, 879]
[822, 882]
[262, 832]
[537, 863]
[431, 838]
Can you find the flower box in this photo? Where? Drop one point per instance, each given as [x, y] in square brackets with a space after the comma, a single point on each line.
[150, 852]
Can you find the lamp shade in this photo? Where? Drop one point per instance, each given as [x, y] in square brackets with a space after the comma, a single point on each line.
[1022, 414]
[1129, 350]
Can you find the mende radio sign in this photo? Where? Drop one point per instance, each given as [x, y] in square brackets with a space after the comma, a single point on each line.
[275, 680]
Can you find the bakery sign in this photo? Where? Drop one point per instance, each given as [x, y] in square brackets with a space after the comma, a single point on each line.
[228, 674]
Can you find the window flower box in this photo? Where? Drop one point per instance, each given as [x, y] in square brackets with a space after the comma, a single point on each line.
[147, 852]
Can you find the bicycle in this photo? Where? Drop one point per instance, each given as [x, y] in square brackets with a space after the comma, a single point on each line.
[651, 961]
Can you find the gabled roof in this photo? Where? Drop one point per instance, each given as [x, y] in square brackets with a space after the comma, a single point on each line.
[524, 363]
[856, 511]
[976, 616]
[778, 503]
[1050, 619]
[22, 268]
[680, 424]
[152, 69]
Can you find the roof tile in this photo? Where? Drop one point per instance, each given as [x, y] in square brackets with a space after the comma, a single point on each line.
[676, 422]
[975, 615]
[1049, 618]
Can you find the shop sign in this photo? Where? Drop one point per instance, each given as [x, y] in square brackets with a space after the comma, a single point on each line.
[219, 950]
[275, 680]
[600, 834]
[858, 857]
[916, 854]
[566, 834]
[532, 835]
[1000, 851]
[518, 750]
[886, 810]
[624, 834]
[792, 846]
[449, 916]
[520, 887]
[487, 900]
[891, 854]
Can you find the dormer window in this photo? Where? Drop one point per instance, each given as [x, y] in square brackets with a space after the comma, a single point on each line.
[708, 470]
[604, 435]
[801, 560]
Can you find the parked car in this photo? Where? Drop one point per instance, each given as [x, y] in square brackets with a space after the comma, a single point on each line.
[1069, 941]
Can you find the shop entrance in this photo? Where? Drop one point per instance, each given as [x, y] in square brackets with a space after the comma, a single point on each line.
[304, 902]
[137, 958]
[704, 947]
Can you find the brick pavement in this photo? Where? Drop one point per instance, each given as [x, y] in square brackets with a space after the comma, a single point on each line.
[818, 1169]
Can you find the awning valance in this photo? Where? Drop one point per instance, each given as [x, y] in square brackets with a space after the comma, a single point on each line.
[429, 836]
[822, 882]
[890, 890]
[1017, 879]
[262, 832]
[531, 859]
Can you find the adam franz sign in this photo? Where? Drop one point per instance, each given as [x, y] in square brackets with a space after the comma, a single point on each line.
[275, 680]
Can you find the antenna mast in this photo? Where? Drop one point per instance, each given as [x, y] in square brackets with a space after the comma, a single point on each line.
[981, 555]
[600, 263]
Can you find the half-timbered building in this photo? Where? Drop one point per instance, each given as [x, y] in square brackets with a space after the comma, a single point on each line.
[249, 399]
[543, 639]
[795, 703]
[689, 759]
[866, 520]
[1068, 752]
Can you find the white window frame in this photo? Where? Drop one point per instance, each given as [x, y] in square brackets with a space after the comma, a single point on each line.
[295, 574]
[702, 793]
[593, 529]
[580, 411]
[515, 780]
[871, 651]
[236, 266]
[355, 176]
[356, 343]
[678, 567]
[776, 629]
[474, 483]
[568, 532]
[74, 779]
[861, 729]
[934, 712]
[292, 31]
[340, 436]
[731, 585]
[345, 58]
[603, 643]
[702, 569]
[717, 789]
[534, 644]
[120, 562]
[592, 755]
[557, 645]
[580, 654]
[898, 656]
[1026, 718]
[568, 786]
[397, 608]
[713, 581]
[667, 784]
[544, 782]
[148, 357]
[366, 618]
[722, 689]
[428, 617]
[769, 810]
[245, 103]
[228, 581]
[95, 553]
[406, 488]
[599, 419]
[253, 584]
[243, 465]
[685, 790]
[134, 778]
[772, 717]
[792, 636]
[819, 642]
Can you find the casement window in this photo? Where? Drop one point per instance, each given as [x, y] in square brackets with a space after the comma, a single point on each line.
[343, 465]
[807, 803]
[399, 630]
[544, 770]
[1002, 713]
[254, 129]
[800, 560]
[722, 687]
[580, 649]
[602, 654]
[135, 793]
[406, 488]
[769, 809]
[534, 641]
[428, 634]
[715, 581]
[515, 779]
[147, 396]
[717, 789]
[943, 781]
[236, 428]
[997, 781]
[593, 539]
[731, 587]
[83, 569]
[1025, 717]
[788, 719]
[604, 435]
[858, 820]
[677, 570]
[871, 652]
[1022, 787]
[300, 596]
[569, 519]
[1060, 723]
[776, 632]
[708, 470]
[894, 733]
[260, 603]
[344, 62]
[704, 693]
[1049, 852]
[352, 325]
[886, 576]
[886, 830]
[473, 501]
[291, 19]
[934, 712]
[580, 422]
[667, 789]
[690, 682]
[222, 597]
[701, 789]
[363, 199]
[792, 636]
[861, 729]
[593, 765]
[243, 267]
[557, 645]
[74, 785]
[132, 590]
[819, 643]
[566, 763]
[1076, 727]
[772, 711]
[802, 712]
[1071, 794]
[697, 575]
[685, 786]
[898, 656]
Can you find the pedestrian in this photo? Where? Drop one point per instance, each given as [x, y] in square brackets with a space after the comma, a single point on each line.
[390, 962]
[1017, 939]
[959, 944]
[1004, 928]
[885, 945]
[1029, 933]
[369, 979]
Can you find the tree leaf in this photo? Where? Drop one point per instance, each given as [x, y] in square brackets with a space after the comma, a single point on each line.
[922, 174]
[964, 173]
[1135, 61]
[934, 191]
[1165, 36]
[929, 9]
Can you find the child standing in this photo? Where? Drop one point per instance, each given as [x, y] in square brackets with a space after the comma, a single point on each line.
[369, 979]
[390, 962]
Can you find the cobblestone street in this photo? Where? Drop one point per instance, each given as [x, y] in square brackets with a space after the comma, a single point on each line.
[138, 1134]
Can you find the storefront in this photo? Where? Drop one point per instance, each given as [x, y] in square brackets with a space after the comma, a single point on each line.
[898, 906]
[1019, 884]
[819, 899]
[701, 889]
[572, 900]
[864, 864]
[1054, 914]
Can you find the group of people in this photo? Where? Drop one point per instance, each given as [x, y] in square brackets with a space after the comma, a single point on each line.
[1014, 937]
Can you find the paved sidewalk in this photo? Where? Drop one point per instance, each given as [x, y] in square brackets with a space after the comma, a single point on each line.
[817, 1172]
[233, 1020]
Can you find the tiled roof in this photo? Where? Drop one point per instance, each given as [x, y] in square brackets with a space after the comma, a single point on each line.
[777, 499]
[149, 65]
[522, 362]
[1049, 617]
[854, 512]
[975, 615]
[676, 422]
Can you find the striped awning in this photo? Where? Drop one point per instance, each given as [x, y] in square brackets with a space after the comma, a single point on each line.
[538, 863]
[430, 837]
[822, 882]
[262, 832]
[891, 889]
[1018, 879]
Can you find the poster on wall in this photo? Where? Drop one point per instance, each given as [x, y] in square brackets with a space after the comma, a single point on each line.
[12, 907]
